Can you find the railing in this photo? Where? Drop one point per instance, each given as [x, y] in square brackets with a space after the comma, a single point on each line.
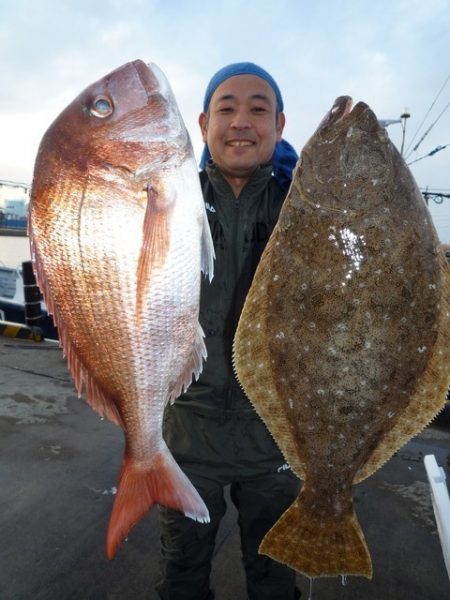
[10, 222]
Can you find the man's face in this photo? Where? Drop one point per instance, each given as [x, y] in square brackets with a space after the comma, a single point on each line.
[242, 125]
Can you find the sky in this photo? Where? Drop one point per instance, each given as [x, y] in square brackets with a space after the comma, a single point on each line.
[392, 54]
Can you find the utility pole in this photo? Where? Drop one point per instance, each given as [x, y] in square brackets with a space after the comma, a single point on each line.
[403, 118]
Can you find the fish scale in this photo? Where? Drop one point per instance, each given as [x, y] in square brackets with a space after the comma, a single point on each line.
[342, 345]
[119, 236]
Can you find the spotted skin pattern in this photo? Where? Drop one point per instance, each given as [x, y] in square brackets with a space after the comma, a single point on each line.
[342, 345]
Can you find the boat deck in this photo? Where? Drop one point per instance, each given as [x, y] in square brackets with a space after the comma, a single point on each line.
[59, 464]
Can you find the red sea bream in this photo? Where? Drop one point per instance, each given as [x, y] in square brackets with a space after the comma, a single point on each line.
[119, 236]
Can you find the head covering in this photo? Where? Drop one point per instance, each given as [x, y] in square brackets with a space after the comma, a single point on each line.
[242, 68]
[284, 157]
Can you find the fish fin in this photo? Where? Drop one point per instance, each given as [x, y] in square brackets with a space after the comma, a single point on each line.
[193, 366]
[141, 486]
[262, 384]
[208, 254]
[428, 398]
[101, 401]
[155, 240]
[95, 396]
[318, 547]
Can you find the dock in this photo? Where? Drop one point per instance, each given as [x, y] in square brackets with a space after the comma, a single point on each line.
[59, 463]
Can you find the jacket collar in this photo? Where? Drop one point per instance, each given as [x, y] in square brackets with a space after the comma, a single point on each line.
[258, 180]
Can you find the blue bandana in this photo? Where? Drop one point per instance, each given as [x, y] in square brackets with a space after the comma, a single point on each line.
[243, 68]
[284, 157]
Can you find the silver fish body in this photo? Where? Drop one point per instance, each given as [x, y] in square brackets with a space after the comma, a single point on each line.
[119, 236]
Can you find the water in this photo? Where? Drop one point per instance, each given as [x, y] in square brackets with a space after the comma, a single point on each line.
[14, 250]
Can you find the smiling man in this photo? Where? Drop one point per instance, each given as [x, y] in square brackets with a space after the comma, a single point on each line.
[241, 127]
[212, 430]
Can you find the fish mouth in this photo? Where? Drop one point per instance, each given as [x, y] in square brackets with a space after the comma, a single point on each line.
[153, 80]
[342, 113]
[168, 123]
[150, 80]
[163, 83]
[341, 108]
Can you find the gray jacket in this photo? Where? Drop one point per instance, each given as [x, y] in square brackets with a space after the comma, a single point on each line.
[240, 229]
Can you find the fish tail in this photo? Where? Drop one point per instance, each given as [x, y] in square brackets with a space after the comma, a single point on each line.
[318, 547]
[140, 488]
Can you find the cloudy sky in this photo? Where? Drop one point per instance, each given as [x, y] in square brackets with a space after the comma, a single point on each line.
[393, 54]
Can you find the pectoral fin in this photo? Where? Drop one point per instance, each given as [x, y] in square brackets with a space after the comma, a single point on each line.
[155, 239]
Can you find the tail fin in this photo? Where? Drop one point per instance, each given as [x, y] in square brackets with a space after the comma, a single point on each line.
[140, 488]
[316, 547]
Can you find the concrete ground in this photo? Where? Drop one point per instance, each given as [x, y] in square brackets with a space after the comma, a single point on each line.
[58, 467]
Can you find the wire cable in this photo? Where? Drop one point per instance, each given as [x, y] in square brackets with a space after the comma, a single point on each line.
[434, 151]
[424, 119]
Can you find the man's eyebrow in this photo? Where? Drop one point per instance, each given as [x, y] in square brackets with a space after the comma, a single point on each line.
[262, 97]
[226, 97]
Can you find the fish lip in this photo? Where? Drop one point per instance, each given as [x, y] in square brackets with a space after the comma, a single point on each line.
[361, 108]
[155, 83]
[365, 118]
[344, 114]
[164, 86]
[146, 76]
[341, 108]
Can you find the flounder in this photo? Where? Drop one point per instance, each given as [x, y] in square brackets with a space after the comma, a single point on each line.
[343, 342]
[119, 235]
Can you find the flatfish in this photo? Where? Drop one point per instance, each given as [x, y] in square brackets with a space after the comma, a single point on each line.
[343, 342]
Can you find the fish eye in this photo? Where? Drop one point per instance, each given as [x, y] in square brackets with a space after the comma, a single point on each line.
[101, 107]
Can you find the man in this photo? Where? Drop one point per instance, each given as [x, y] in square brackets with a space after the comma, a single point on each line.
[212, 430]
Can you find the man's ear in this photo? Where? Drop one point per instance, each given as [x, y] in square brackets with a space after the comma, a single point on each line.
[203, 122]
[281, 120]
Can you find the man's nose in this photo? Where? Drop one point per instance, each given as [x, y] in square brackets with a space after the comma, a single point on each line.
[241, 119]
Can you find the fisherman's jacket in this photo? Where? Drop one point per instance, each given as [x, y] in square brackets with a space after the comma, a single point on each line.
[240, 229]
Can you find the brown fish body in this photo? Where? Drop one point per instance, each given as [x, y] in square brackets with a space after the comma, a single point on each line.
[119, 235]
[342, 345]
